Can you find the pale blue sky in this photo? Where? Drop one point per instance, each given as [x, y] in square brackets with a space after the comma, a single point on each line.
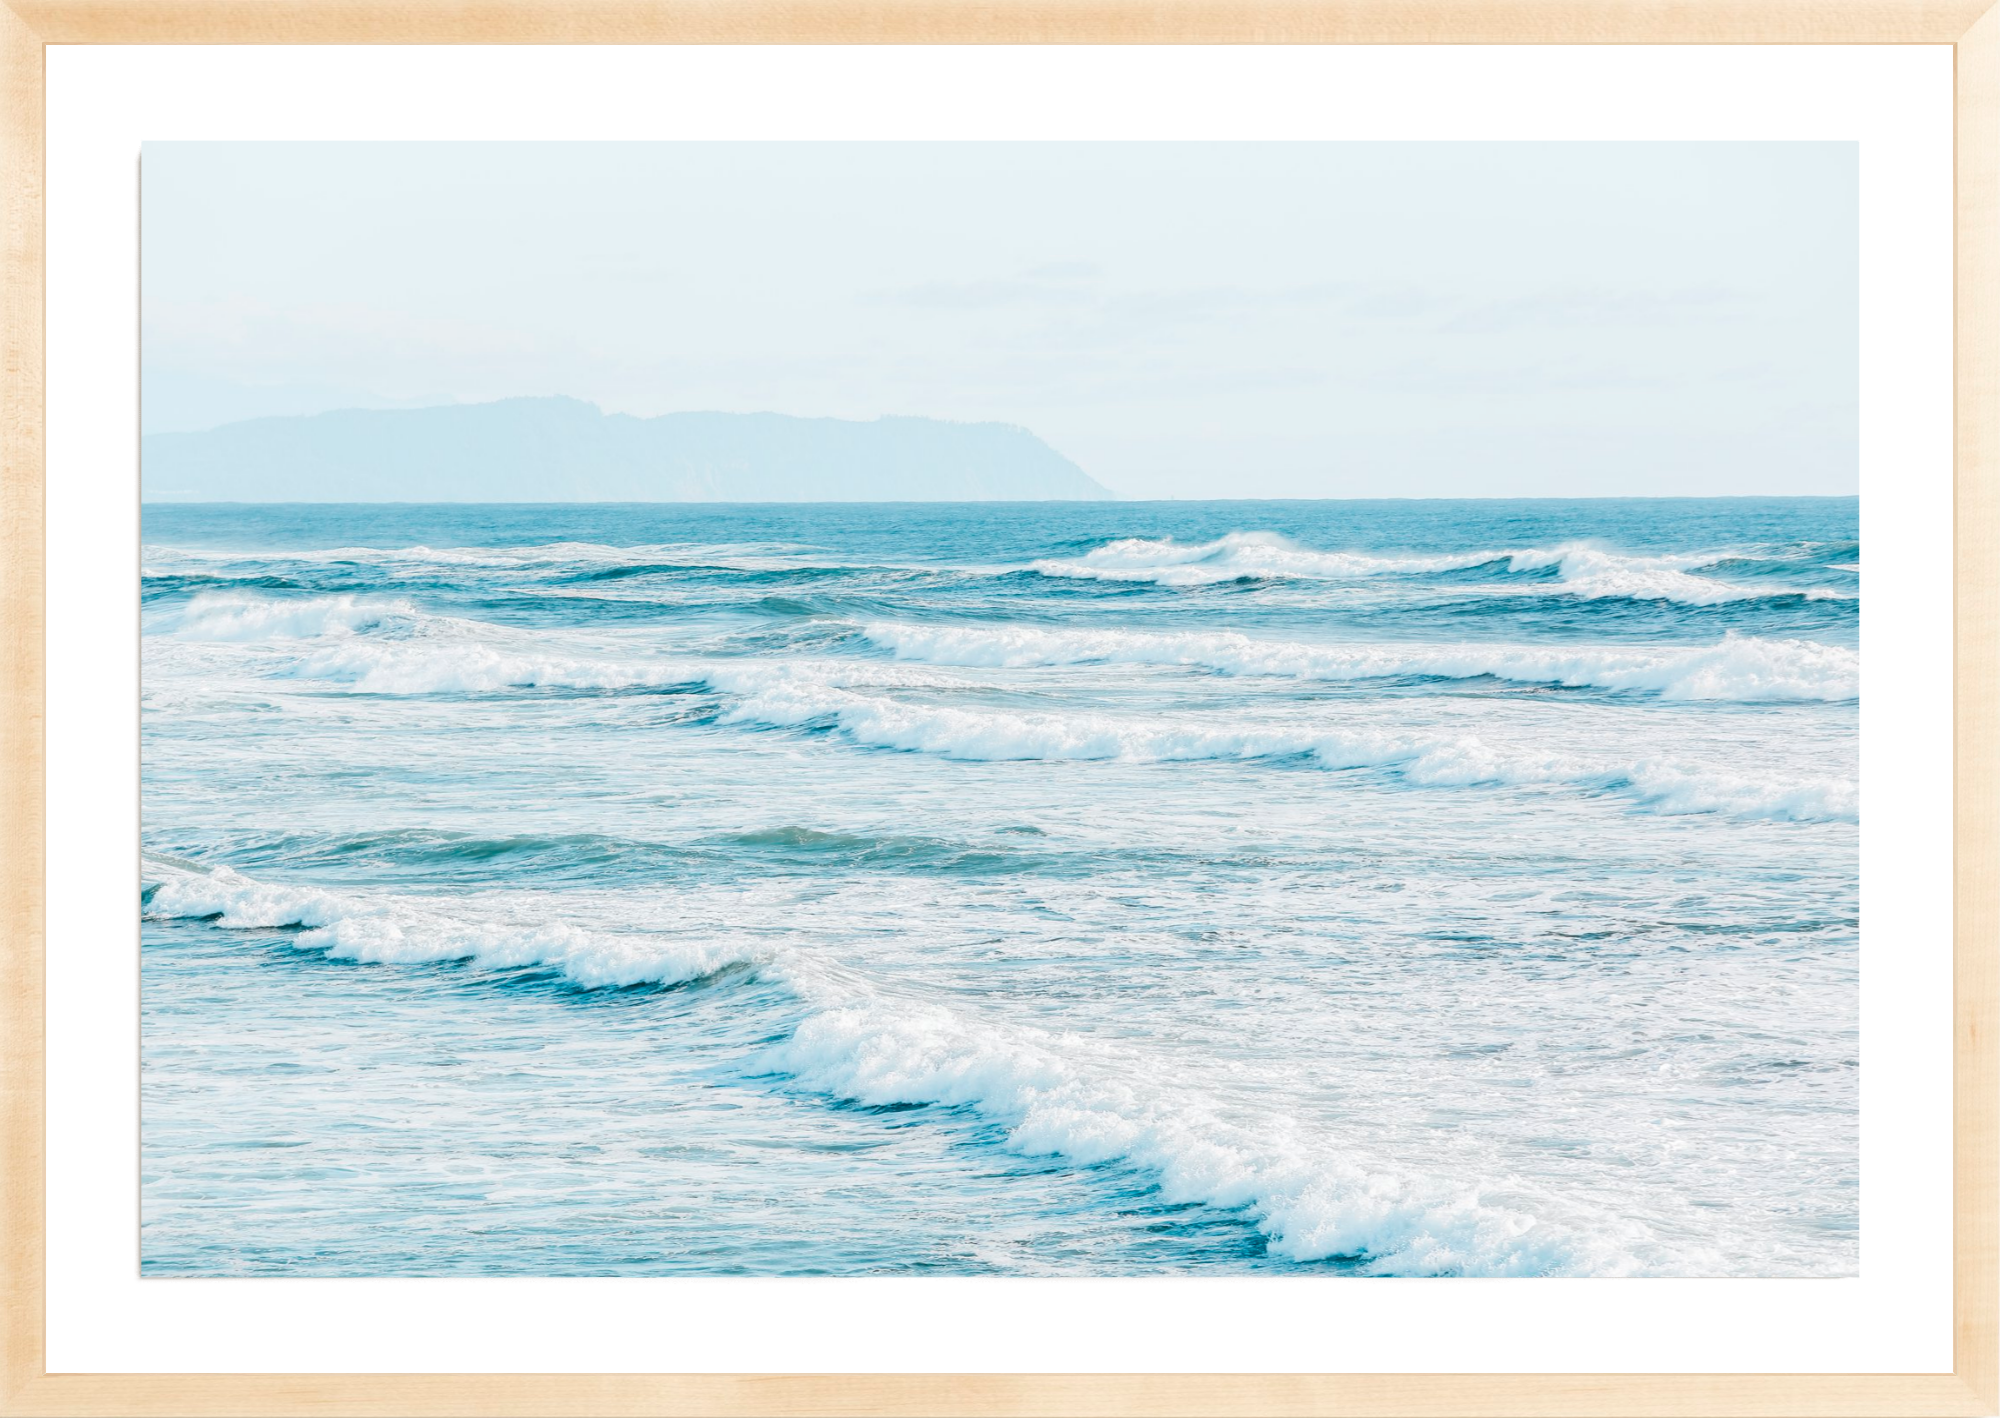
[1271, 319]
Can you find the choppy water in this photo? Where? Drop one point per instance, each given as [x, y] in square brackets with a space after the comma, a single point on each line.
[1381, 888]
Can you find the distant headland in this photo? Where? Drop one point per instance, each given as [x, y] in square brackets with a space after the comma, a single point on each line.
[566, 450]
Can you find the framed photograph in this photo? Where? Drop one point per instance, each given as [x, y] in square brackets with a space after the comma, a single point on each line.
[1015, 711]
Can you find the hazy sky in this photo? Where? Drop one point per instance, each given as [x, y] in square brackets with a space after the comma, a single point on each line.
[1225, 319]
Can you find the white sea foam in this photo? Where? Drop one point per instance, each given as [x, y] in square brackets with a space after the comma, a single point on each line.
[1738, 668]
[1582, 569]
[389, 930]
[1594, 573]
[473, 667]
[1427, 1013]
[1054, 1096]
[228, 616]
[390, 647]
[429, 655]
[1236, 556]
[987, 734]
[1313, 1200]
[470, 666]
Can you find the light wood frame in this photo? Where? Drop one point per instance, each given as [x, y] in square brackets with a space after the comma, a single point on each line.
[1972, 27]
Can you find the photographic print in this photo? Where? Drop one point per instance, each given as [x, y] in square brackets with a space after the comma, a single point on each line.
[1067, 709]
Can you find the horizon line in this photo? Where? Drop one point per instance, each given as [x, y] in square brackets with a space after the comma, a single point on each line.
[1033, 502]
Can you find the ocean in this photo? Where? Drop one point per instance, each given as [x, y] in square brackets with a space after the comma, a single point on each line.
[1317, 888]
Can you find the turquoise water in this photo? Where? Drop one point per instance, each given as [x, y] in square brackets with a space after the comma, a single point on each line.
[1344, 888]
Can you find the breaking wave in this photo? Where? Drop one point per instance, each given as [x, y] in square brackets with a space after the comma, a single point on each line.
[1579, 569]
[1053, 1097]
[392, 930]
[388, 648]
[474, 668]
[1239, 556]
[1311, 1202]
[1378, 911]
[223, 616]
[1739, 668]
[470, 666]
[987, 734]
[1593, 573]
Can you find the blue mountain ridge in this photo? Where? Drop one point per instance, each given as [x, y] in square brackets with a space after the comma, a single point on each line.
[566, 450]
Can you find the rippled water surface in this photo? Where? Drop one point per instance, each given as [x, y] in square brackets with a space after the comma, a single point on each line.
[1351, 888]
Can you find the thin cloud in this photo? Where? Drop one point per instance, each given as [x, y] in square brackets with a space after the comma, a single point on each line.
[1569, 307]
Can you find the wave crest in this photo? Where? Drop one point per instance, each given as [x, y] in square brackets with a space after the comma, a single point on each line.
[1738, 668]
[1582, 569]
[1238, 556]
[1593, 573]
[1311, 1204]
[394, 931]
[1054, 1096]
[215, 615]
[982, 734]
